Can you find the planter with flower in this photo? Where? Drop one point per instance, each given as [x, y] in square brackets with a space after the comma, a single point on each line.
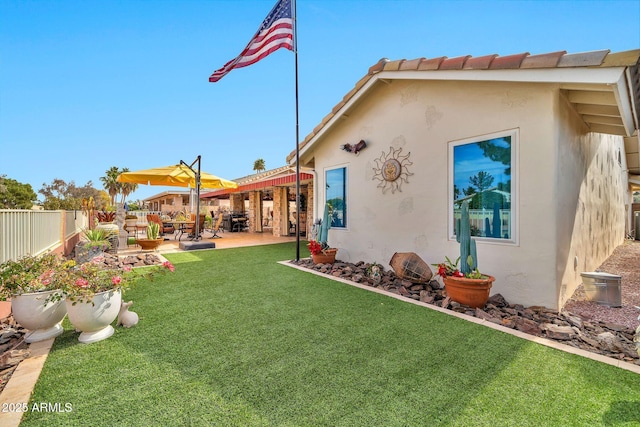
[320, 251]
[465, 285]
[34, 289]
[94, 295]
[95, 242]
[153, 239]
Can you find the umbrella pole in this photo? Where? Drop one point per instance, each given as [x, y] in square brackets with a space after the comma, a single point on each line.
[196, 233]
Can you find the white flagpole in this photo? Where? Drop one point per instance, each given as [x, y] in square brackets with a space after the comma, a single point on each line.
[295, 51]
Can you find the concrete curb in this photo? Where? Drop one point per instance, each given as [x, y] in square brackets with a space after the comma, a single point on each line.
[15, 397]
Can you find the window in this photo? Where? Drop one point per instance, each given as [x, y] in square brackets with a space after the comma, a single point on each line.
[483, 171]
[336, 196]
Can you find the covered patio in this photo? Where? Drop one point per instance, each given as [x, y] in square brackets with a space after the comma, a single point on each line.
[271, 201]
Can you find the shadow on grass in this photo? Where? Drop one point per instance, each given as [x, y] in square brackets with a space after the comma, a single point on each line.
[622, 412]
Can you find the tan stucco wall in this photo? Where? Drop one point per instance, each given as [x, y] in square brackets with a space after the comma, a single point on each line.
[592, 193]
[422, 118]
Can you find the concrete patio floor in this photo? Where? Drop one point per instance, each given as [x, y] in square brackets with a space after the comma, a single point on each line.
[226, 240]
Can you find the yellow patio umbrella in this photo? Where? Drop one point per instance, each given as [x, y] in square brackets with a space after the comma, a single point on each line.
[180, 175]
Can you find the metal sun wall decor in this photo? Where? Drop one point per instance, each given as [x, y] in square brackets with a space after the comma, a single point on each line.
[392, 170]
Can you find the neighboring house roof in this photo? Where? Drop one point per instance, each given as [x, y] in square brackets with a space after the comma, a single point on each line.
[275, 177]
[604, 87]
[167, 194]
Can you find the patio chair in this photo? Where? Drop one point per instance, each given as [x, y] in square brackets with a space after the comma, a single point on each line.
[217, 226]
[190, 228]
[165, 228]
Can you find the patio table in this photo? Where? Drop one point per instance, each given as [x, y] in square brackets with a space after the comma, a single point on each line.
[181, 227]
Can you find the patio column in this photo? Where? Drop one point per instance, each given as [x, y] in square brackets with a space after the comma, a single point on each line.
[255, 212]
[280, 211]
[237, 202]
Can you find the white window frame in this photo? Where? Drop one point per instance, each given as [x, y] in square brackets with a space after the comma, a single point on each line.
[346, 193]
[515, 171]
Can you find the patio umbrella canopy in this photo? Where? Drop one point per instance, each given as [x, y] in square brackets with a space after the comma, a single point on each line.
[180, 175]
[175, 176]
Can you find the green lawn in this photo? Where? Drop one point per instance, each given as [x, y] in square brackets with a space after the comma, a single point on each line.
[232, 338]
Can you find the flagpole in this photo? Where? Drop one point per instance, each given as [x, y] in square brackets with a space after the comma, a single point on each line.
[295, 51]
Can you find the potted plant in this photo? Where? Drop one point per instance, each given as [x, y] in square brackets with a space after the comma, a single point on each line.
[106, 216]
[96, 242]
[34, 289]
[130, 221]
[153, 239]
[321, 253]
[94, 295]
[465, 285]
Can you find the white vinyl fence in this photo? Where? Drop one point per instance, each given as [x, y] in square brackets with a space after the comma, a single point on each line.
[27, 232]
[477, 218]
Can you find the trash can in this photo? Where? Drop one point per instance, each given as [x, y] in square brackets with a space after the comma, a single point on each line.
[603, 288]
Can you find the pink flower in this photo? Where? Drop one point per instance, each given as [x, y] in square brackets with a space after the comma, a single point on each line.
[46, 277]
[127, 268]
[97, 260]
[168, 265]
[82, 283]
[116, 280]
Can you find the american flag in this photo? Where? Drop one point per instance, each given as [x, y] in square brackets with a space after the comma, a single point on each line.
[275, 32]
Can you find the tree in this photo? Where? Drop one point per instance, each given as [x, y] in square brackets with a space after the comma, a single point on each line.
[498, 153]
[259, 165]
[60, 195]
[481, 181]
[110, 183]
[16, 195]
[126, 188]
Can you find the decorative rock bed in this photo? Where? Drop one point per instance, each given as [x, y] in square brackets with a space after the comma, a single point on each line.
[13, 349]
[612, 340]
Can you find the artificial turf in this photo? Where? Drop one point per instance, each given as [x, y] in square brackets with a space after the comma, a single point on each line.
[232, 338]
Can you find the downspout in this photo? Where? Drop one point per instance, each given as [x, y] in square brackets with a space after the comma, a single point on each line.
[315, 191]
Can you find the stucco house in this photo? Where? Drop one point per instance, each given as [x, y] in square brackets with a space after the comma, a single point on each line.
[545, 147]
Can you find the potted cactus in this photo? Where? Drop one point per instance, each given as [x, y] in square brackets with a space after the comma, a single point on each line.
[465, 285]
[321, 253]
[153, 239]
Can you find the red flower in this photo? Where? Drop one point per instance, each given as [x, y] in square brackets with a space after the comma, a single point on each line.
[168, 265]
[314, 247]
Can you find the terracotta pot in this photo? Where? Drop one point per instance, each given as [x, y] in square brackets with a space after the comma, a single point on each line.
[471, 292]
[149, 244]
[93, 318]
[5, 308]
[328, 256]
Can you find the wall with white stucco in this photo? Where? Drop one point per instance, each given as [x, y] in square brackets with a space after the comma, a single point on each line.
[421, 118]
[592, 192]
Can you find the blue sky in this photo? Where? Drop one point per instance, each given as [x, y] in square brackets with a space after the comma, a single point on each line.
[469, 159]
[86, 85]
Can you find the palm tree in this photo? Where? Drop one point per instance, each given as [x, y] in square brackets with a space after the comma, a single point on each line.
[126, 188]
[110, 184]
[258, 165]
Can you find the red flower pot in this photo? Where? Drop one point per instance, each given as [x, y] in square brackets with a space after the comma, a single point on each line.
[471, 292]
[328, 256]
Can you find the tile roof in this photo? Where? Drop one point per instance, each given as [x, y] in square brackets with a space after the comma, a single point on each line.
[521, 61]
